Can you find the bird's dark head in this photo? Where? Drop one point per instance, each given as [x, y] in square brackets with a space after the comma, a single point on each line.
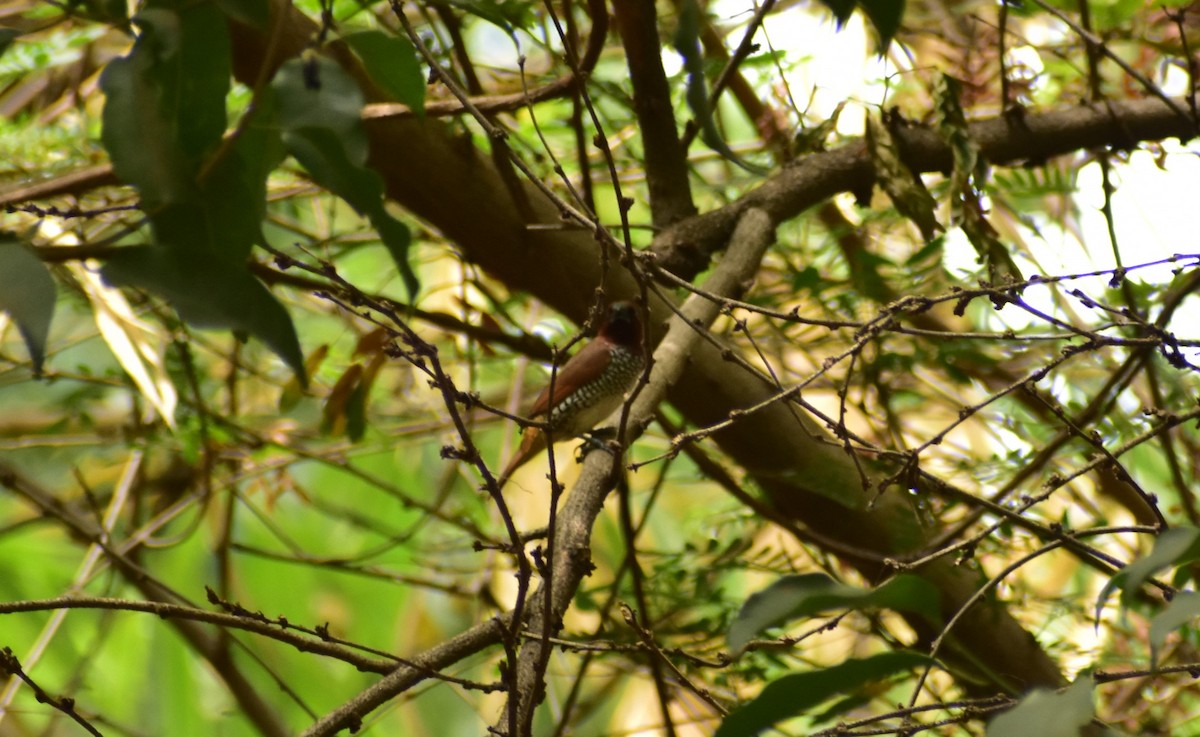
[623, 325]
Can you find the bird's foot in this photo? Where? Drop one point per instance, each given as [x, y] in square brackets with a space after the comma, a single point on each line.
[595, 440]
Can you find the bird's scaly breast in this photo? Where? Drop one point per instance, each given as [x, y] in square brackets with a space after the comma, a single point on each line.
[594, 401]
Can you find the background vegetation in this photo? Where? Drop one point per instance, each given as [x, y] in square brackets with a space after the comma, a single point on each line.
[918, 453]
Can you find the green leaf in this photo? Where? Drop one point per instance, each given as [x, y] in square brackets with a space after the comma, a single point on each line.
[396, 238]
[809, 279]
[7, 36]
[1176, 546]
[906, 190]
[321, 153]
[209, 293]
[885, 16]
[223, 225]
[393, 65]
[356, 413]
[1001, 269]
[318, 110]
[234, 190]
[929, 255]
[334, 415]
[809, 594]
[796, 693]
[115, 12]
[163, 124]
[807, 140]
[952, 127]
[506, 15]
[966, 183]
[164, 119]
[223, 217]
[1048, 714]
[842, 10]
[165, 101]
[1182, 609]
[687, 42]
[256, 13]
[138, 136]
[315, 94]
[27, 294]
[840, 707]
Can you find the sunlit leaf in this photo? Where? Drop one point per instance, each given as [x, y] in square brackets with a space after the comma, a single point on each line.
[137, 344]
[209, 293]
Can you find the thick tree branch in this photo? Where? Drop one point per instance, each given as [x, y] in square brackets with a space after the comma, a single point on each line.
[1026, 139]
[666, 159]
[790, 457]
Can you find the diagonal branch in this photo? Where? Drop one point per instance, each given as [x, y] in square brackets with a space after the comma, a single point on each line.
[1028, 138]
[572, 554]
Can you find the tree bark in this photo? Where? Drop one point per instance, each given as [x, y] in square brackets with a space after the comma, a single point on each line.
[454, 187]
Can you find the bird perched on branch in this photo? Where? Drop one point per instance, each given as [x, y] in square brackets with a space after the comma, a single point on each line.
[589, 387]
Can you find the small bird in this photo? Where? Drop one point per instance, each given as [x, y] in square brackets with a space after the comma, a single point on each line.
[589, 387]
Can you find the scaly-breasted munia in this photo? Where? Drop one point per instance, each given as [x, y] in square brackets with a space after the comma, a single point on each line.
[589, 387]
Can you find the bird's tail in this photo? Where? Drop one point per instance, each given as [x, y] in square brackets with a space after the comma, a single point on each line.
[532, 443]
